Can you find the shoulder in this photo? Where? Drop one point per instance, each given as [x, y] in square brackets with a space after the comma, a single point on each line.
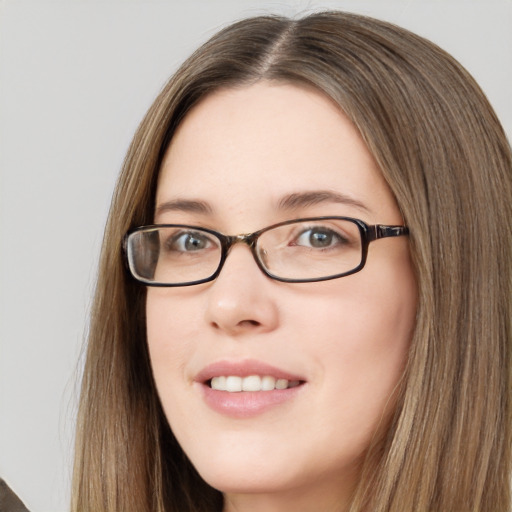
[9, 502]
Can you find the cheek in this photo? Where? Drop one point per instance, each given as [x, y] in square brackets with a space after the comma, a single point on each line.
[355, 317]
[170, 331]
[358, 342]
[171, 318]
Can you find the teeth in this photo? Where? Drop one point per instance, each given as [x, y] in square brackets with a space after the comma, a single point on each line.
[252, 383]
[268, 383]
[233, 384]
[281, 384]
[236, 384]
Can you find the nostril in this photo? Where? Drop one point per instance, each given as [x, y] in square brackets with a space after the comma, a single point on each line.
[242, 325]
[249, 323]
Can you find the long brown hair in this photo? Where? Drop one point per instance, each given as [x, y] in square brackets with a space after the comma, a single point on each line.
[445, 156]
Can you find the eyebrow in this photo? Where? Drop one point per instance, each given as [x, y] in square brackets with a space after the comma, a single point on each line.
[292, 201]
[184, 205]
[311, 198]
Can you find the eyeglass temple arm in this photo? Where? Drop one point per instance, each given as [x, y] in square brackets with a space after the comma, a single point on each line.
[381, 231]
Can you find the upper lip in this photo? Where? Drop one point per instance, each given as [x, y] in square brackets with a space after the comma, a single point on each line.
[243, 369]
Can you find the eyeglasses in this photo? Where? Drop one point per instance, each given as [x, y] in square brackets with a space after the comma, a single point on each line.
[295, 251]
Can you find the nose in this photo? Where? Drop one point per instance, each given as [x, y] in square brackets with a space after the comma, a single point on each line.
[242, 299]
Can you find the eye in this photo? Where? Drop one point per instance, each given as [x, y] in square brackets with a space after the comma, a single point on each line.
[189, 241]
[319, 238]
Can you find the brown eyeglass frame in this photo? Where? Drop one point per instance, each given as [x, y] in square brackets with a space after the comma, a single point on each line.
[368, 233]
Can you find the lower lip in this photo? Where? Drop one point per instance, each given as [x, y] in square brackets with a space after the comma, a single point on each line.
[246, 404]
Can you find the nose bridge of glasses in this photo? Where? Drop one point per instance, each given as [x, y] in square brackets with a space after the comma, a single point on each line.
[248, 239]
[245, 238]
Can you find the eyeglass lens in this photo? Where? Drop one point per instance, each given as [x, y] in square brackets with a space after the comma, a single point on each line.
[300, 250]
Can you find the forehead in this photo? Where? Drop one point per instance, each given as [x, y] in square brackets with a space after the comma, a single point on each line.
[242, 149]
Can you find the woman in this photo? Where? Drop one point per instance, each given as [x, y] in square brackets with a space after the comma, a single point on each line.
[358, 359]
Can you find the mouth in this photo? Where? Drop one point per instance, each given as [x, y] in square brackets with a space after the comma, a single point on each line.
[236, 384]
[244, 389]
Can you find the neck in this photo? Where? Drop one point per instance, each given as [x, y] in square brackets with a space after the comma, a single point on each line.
[325, 496]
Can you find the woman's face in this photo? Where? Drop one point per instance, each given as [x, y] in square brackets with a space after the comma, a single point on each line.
[234, 165]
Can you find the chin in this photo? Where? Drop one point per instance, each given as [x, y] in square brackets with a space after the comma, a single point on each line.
[244, 466]
[249, 480]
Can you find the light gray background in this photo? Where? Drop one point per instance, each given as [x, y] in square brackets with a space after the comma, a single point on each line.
[75, 79]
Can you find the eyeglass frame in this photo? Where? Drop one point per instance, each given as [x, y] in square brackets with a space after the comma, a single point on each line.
[369, 233]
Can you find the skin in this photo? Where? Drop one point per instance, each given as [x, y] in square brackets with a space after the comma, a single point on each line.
[241, 151]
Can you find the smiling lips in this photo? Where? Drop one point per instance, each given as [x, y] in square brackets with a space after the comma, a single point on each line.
[245, 389]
